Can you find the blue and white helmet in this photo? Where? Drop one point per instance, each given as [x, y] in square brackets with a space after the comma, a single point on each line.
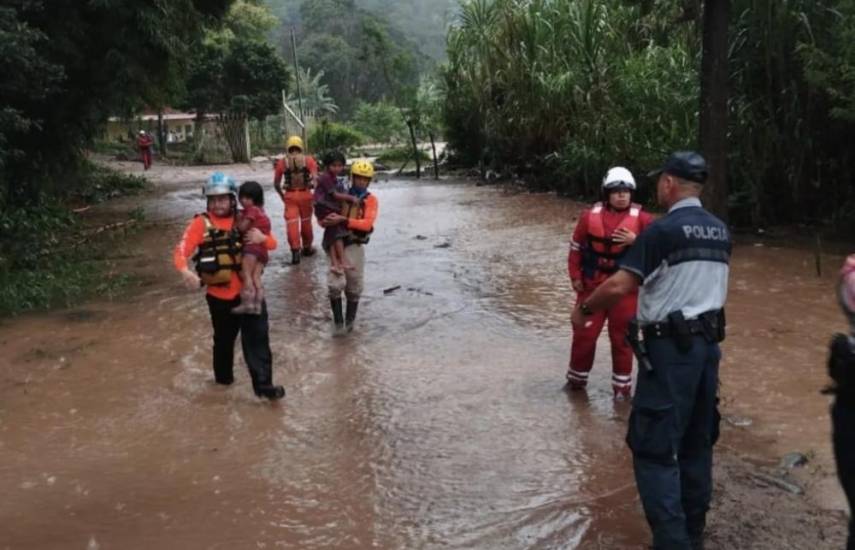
[220, 184]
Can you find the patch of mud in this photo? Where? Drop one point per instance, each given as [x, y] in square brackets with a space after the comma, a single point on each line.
[750, 514]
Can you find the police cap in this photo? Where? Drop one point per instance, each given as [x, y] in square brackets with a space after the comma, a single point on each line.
[687, 165]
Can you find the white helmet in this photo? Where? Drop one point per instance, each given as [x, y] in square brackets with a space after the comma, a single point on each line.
[142, 132]
[618, 177]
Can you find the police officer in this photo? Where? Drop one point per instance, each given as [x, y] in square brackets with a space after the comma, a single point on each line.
[841, 367]
[681, 262]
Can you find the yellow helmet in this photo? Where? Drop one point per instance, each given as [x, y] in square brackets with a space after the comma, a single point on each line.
[362, 168]
[294, 141]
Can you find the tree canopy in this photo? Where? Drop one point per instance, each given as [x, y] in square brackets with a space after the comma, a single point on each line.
[69, 65]
[563, 89]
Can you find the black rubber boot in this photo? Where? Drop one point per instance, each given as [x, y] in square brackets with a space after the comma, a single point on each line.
[295, 257]
[351, 315]
[338, 318]
[270, 392]
[309, 252]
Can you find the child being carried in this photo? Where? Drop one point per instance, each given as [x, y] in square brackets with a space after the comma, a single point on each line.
[252, 216]
[330, 193]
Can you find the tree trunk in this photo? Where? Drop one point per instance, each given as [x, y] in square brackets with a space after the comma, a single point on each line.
[435, 162]
[713, 108]
[161, 134]
[415, 149]
[235, 131]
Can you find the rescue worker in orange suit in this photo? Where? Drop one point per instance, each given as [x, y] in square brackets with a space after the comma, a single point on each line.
[213, 240]
[298, 172]
[602, 236]
[359, 220]
[145, 142]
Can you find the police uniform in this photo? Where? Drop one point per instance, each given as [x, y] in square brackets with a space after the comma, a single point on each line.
[682, 261]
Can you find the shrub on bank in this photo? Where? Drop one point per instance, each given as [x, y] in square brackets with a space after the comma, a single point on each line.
[47, 257]
[399, 155]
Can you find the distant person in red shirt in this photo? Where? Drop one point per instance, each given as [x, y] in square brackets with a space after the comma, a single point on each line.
[602, 236]
[255, 257]
[145, 142]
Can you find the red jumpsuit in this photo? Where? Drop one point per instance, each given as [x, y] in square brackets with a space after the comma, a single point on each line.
[144, 142]
[585, 265]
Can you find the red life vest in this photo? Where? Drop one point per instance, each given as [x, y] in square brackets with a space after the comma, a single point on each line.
[603, 251]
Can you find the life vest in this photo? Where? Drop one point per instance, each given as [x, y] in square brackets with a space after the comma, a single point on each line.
[296, 171]
[219, 255]
[601, 253]
[356, 211]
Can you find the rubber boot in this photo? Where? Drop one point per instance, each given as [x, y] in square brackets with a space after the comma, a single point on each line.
[270, 392]
[309, 252]
[351, 315]
[295, 257]
[338, 318]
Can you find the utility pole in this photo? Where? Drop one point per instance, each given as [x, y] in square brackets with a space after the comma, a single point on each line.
[299, 90]
[713, 109]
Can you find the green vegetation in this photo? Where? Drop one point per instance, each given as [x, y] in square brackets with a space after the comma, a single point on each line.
[332, 135]
[68, 66]
[559, 90]
[400, 155]
[48, 257]
[236, 74]
[365, 56]
[381, 122]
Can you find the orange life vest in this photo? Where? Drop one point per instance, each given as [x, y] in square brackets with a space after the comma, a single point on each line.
[356, 211]
[601, 250]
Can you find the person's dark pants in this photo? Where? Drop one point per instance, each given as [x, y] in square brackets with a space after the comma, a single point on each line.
[255, 341]
[672, 429]
[843, 420]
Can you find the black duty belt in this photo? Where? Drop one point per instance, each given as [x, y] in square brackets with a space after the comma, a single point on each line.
[666, 330]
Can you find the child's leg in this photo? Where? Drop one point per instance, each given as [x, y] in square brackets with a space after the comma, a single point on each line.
[259, 289]
[339, 246]
[335, 257]
[247, 293]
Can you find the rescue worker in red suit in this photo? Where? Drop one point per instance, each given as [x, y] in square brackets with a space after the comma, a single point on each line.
[144, 142]
[603, 235]
[294, 178]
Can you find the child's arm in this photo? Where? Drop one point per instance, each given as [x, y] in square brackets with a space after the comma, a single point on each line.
[244, 223]
[345, 197]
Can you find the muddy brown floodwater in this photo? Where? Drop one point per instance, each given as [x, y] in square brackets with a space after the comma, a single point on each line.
[440, 423]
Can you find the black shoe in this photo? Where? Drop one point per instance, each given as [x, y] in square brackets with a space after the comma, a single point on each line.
[270, 392]
[351, 315]
[295, 257]
[338, 318]
[309, 252]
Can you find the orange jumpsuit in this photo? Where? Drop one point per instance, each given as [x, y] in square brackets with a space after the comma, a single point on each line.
[298, 208]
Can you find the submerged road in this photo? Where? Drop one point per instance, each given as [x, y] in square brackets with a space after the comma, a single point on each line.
[439, 423]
